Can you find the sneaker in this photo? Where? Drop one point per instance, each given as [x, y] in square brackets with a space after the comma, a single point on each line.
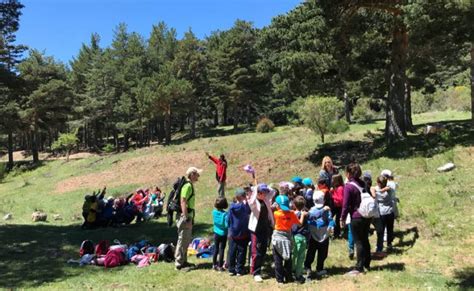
[258, 278]
[321, 273]
[183, 268]
[307, 272]
[300, 280]
[215, 268]
[239, 274]
[378, 255]
[353, 273]
[232, 274]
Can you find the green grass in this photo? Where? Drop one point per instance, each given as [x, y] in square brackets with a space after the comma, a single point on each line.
[434, 236]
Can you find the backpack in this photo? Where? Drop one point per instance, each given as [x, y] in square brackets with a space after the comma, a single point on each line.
[368, 207]
[87, 247]
[174, 199]
[166, 252]
[102, 248]
[114, 258]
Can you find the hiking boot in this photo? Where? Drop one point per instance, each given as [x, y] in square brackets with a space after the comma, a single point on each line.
[258, 278]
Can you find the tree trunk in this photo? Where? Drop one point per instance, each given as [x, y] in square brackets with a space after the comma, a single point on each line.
[408, 120]
[235, 116]
[249, 115]
[116, 141]
[216, 116]
[126, 144]
[168, 125]
[10, 150]
[472, 83]
[68, 151]
[34, 147]
[395, 124]
[224, 115]
[347, 107]
[322, 137]
[193, 122]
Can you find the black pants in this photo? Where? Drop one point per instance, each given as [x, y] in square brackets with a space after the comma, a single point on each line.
[282, 268]
[337, 228]
[322, 248]
[219, 247]
[236, 255]
[259, 248]
[385, 221]
[360, 232]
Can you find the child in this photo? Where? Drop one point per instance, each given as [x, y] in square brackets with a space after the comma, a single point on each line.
[238, 220]
[300, 236]
[323, 186]
[260, 224]
[387, 217]
[337, 197]
[393, 188]
[321, 225]
[282, 240]
[220, 232]
[308, 192]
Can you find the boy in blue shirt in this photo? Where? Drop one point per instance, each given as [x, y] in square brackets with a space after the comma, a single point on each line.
[239, 235]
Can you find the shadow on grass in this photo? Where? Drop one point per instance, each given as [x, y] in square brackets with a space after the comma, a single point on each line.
[463, 279]
[457, 132]
[406, 238]
[392, 267]
[33, 255]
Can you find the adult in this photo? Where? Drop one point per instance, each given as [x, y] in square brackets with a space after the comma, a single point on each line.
[327, 171]
[186, 220]
[221, 169]
[359, 224]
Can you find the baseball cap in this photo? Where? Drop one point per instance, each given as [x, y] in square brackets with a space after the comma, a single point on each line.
[193, 170]
[307, 182]
[318, 198]
[283, 202]
[367, 176]
[239, 192]
[263, 188]
[387, 173]
[297, 179]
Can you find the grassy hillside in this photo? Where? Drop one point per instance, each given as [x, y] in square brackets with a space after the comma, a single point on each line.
[434, 243]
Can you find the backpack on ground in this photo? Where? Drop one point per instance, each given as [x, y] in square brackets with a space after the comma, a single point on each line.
[114, 258]
[102, 248]
[166, 252]
[368, 207]
[174, 199]
[87, 247]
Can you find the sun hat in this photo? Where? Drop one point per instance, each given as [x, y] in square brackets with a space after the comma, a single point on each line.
[283, 202]
[318, 199]
[193, 170]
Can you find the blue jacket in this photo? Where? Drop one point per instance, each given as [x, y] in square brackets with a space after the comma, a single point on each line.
[220, 222]
[320, 222]
[238, 220]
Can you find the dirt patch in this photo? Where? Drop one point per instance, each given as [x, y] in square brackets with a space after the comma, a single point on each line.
[24, 156]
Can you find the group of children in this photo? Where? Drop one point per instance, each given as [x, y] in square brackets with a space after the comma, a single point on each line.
[143, 204]
[297, 219]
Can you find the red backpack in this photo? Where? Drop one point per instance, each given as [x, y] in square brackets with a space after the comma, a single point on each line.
[115, 258]
[102, 248]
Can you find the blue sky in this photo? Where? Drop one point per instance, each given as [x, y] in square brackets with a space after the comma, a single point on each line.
[60, 26]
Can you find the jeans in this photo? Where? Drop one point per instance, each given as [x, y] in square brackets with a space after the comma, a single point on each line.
[385, 221]
[236, 255]
[282, 267]
[337, 228]
[360, 232]
[219, 248]
[350, 238]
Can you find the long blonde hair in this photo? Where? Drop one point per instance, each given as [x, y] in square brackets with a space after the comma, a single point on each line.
[326, 159]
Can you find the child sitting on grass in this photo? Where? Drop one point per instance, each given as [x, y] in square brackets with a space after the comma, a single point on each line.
[282, 240]
[220, 232]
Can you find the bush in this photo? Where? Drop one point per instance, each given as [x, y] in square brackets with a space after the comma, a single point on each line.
[362, 111]
[265, 125]
[420, 103]
[338, 126]
[455, 98]
[108, 148]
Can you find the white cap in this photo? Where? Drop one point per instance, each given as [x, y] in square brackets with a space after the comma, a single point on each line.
[318, 198]
[387, 173]
[193, 170]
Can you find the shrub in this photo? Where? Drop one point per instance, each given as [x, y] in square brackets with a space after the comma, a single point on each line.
[108, 148]
[338, 126]
[318, 113]
[66, 142]
[265, 125]
[420, 103]
[362, 111]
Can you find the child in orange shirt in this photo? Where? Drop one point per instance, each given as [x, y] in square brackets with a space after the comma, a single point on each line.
[281, 238]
